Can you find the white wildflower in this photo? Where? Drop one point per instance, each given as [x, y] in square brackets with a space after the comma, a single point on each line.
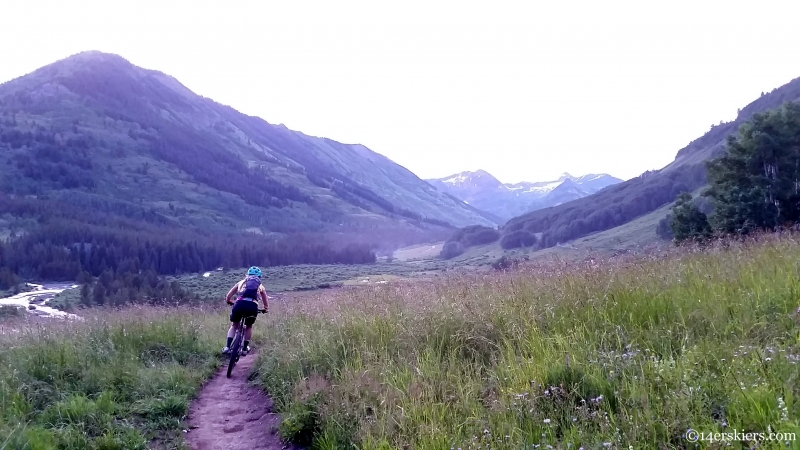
[783, 409]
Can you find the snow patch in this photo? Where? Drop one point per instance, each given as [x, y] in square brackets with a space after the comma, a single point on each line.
[546, 188]
[457, 179]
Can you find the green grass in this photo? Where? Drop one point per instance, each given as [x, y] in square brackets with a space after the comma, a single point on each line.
[115, 380]
[11, 311]
[420, 251]
[303, 277]
[300, 277]
[626, 352]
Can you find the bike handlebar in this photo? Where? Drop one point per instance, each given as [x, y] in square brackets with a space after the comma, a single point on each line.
[260, 311]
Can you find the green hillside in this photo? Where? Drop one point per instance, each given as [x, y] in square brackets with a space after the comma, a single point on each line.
[93, 125]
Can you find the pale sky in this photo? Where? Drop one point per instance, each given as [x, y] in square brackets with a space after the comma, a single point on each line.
[523, 89]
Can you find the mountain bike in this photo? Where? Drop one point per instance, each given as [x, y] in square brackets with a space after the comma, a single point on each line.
[236, 345]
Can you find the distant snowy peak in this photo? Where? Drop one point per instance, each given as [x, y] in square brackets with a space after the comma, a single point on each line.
[505, 200]
[542, 187]
[482, 179]
[565, 176]
[479, 178]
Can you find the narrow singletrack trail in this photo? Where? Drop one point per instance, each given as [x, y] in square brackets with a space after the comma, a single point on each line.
[231, 414]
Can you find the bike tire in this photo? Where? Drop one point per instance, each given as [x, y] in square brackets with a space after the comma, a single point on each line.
[237, 341]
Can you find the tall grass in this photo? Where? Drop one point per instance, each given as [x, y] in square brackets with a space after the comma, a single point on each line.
[621, 353]
[115, 380]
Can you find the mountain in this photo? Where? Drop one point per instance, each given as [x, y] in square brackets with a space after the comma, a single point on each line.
[623, 202]
[94, 128]
[505, 200]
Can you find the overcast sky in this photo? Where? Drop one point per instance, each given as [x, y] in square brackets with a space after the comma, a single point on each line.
[525, 90]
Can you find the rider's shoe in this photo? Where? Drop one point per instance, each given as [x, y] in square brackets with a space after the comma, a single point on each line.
[245, 350]
[226, 350]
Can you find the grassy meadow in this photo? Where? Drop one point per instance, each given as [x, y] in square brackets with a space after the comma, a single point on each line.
[623, 353]
[306, 277]
[114, 380]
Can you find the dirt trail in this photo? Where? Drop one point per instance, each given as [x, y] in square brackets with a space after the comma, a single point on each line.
[231, 414]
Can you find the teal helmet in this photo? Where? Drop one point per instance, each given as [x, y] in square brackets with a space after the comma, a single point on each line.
[254, 271]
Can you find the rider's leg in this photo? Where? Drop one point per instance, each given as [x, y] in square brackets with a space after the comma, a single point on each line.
[234, 318]
[231, 333]
[248, 331]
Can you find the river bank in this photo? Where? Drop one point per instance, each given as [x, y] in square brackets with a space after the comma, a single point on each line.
[35, 301]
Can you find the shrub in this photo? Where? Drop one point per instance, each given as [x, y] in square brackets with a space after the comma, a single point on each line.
[517, 239]
[474, 235]
[663, 229]
[502, 263]
[451, 250]
[480, 236]
[11, 310]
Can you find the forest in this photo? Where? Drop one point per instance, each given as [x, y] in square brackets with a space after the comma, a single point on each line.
[63, 241]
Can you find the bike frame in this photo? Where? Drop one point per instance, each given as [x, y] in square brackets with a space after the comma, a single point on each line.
[236, 345]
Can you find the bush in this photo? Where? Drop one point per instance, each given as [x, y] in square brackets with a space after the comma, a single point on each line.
[663, 229]
[517, 239]
[503, 263]
[11, 311]
[451, 250]
[474, 235]
[481, 236]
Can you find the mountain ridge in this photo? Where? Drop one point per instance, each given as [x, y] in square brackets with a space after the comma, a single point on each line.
[624, 202]
[131, 120]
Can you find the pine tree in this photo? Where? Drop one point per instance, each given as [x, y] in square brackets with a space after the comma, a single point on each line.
[99, 294]
[85, 292]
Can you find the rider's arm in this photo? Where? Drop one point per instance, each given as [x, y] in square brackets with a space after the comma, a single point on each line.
[231, 293]
[264, 298]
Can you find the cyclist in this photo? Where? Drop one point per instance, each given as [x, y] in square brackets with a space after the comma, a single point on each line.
[249, 290]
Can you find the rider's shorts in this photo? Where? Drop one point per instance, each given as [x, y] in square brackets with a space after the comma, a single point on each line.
[244, 308]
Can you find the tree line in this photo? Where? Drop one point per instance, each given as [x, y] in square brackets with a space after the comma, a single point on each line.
[67, 239]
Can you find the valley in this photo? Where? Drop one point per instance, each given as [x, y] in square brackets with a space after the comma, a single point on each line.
[459, 312]
[499, 344]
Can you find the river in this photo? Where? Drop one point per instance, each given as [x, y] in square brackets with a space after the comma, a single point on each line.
[38, 298]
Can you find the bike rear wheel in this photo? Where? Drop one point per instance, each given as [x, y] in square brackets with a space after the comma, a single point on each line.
[237, 342]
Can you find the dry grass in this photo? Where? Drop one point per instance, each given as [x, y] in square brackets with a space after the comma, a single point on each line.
[630, 351]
